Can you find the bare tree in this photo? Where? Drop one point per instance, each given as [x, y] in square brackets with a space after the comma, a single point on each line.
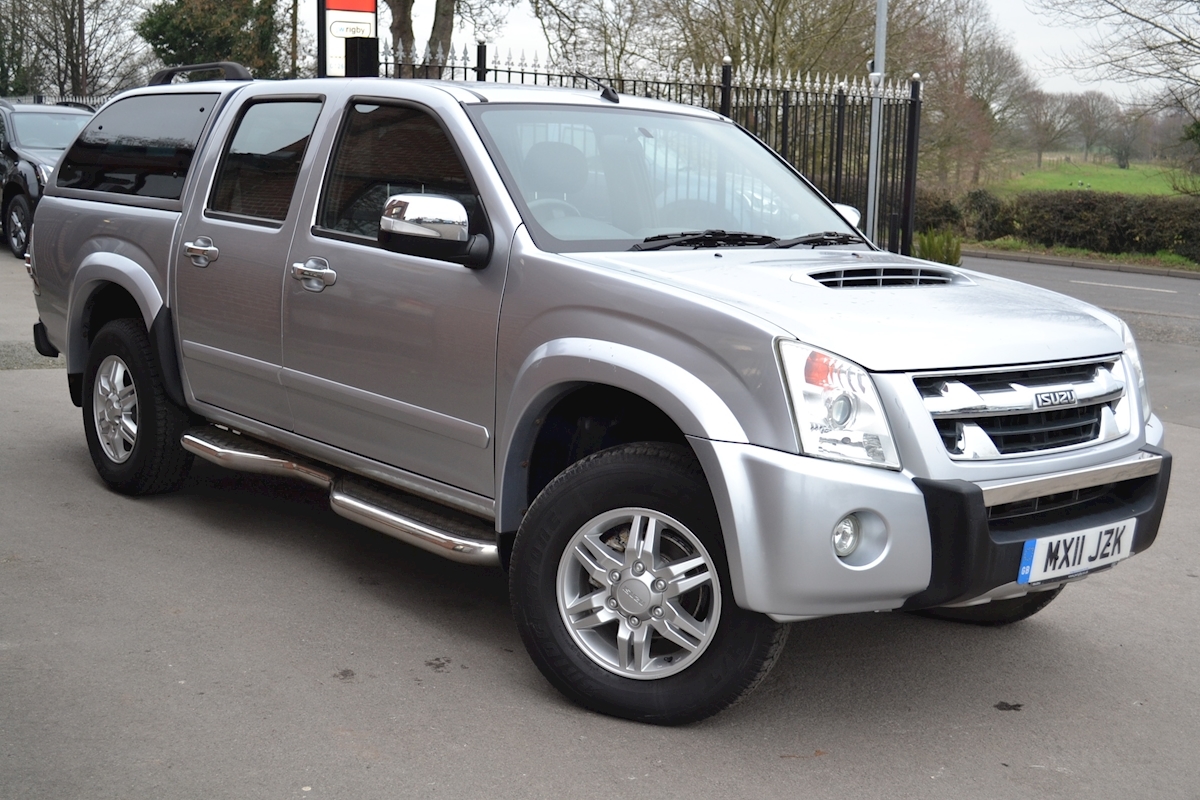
[20, 58]
[1125, 136]
[975, 90]
[89, 47]
[1094, 114]
[1136, 40]
[1047, 120]
[482, 16]
[609, 37]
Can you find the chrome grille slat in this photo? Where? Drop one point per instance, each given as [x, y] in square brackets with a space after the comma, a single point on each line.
[982, 415]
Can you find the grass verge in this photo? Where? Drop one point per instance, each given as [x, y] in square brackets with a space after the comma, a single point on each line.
[1163, 258]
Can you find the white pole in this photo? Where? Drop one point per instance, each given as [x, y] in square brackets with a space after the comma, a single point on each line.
[872, 227]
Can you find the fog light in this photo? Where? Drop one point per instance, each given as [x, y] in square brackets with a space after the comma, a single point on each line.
[846, 535]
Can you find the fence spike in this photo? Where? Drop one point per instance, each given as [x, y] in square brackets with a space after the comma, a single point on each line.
[535, 63]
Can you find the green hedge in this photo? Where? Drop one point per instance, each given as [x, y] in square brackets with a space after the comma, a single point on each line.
[1099, 221]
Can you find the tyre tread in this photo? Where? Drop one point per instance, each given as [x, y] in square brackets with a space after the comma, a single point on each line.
[166, 463]
[765, 638]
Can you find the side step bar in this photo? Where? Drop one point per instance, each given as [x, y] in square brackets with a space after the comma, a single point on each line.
[424, 524]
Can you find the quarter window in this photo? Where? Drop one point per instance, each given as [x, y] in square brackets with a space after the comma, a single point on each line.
[141, 146]
[261, 162]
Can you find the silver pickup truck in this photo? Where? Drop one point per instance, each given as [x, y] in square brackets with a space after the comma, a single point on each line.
[616, 346]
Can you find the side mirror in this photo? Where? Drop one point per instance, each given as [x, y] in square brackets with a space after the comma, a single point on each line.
[432, 226]
[849, 213]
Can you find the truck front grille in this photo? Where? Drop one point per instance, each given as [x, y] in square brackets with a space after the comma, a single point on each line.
[986, 414]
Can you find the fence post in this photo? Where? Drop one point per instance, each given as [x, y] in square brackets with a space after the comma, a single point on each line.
[783, 128]
[726, 85]
[481, 61]
[839, 143]
[908, 208]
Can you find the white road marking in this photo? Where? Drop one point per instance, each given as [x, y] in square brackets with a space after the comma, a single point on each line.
[1123, 286]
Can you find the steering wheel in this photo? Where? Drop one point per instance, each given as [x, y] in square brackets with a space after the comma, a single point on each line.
[552, 208]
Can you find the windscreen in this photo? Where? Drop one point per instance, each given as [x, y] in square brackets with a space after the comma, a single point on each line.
[606, 178]
[47, 131]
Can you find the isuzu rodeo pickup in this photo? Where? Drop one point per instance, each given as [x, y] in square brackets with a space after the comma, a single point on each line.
[615, 346]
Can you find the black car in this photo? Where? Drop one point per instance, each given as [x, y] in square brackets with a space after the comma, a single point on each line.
[32, 138]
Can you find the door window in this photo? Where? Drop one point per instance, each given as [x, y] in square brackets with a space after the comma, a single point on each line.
[386, 150]
[261, 162]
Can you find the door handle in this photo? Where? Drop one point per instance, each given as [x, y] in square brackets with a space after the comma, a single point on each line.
[314, 274]
[201, 252]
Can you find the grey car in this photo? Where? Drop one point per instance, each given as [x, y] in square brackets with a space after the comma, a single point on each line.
[621, 349]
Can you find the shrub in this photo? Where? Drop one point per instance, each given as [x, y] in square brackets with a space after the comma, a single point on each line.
[944, 247]
[986, 216]
[1109, 222]
[936, 210]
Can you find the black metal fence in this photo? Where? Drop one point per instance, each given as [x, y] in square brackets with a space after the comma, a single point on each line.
[821, 125]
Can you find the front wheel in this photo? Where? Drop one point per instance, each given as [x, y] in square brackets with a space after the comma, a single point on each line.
[621, 591]
[16, 225]
[132, 427]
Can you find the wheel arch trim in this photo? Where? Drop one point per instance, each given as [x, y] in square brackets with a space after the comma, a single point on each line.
[559, 366]
[97, 271]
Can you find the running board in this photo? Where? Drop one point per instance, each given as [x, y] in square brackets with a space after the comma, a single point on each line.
[434, 528]
[234, 451]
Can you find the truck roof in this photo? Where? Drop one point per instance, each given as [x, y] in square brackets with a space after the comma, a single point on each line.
[466, 92]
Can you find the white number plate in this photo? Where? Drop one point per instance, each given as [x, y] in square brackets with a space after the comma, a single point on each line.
[1075, 553]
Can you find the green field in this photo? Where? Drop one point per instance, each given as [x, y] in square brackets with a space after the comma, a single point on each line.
[1138, 179]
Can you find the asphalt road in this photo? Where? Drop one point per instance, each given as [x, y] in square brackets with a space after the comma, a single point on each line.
[238, 640]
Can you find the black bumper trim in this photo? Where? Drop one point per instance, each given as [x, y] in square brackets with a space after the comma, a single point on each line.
[967, 560]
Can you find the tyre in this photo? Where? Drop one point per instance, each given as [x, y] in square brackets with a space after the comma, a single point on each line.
[17, 220]
[621, 593]
[997, 612]
[132, 428]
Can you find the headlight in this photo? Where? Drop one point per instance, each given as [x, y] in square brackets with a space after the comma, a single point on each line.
[1139, 374]
[44, 171]
[838, 411]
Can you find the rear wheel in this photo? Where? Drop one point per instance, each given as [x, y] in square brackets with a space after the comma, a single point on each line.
[621, 590]
[132, 427]
[997, 612]
[16, 225]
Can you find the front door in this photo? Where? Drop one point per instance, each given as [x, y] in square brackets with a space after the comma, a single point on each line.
[232, 265]
[392, 356]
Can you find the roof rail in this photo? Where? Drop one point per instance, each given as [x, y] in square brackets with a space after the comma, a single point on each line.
[232, 70]
[76, 104]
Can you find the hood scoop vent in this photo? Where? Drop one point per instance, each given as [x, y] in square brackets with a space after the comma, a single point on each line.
[876, 277]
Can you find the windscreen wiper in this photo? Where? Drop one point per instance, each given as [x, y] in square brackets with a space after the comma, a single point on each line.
[709, 238]
[820, 238]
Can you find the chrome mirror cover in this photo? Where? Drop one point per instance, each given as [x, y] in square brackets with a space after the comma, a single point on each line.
[429, 216]
[849, 213]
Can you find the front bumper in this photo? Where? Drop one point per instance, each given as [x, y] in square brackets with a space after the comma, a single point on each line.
[926, 542]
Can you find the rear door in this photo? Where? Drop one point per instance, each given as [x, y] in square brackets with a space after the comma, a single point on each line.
[231, 266]
[395, 357]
